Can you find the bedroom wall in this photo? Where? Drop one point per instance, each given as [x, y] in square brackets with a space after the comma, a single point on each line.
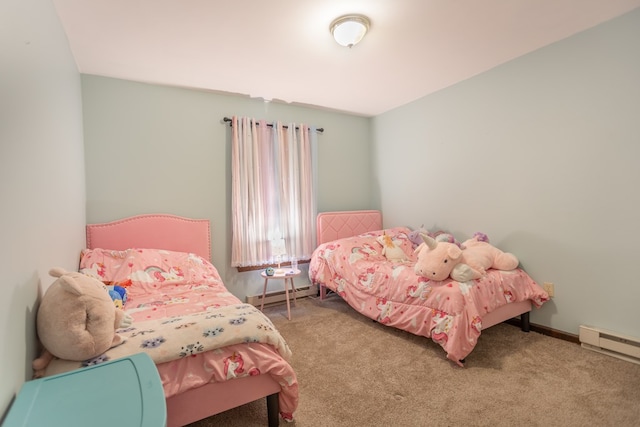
[541, 154]
[41, 175]
[151, 149]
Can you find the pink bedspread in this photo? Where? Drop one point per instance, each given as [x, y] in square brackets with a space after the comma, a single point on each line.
[163, 284]
[448, 312]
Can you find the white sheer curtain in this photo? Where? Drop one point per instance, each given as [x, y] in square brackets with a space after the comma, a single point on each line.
[273, 190]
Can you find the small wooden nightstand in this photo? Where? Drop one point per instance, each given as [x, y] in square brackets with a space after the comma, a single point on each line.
[288, 276]
[121, 392]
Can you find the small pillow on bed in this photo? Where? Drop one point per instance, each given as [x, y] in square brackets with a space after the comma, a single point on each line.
[102, 264]
[126, 268]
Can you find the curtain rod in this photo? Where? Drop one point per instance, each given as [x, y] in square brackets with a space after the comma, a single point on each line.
[227, 119]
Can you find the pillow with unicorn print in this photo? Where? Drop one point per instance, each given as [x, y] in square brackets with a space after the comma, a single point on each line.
[147, 267]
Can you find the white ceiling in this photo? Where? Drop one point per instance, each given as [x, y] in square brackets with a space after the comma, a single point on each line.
[282, 50]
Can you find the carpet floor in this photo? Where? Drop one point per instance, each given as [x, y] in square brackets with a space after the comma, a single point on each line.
[355, 372]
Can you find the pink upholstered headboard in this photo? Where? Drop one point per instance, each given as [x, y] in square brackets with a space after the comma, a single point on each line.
[337, 225]
[158, 231]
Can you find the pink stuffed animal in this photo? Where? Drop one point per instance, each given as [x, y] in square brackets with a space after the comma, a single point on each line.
[439, 260]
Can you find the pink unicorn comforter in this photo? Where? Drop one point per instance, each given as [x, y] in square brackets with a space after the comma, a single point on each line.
[448, 312]
[174, 290]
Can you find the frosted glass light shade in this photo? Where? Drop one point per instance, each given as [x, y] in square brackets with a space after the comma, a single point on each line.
[348, 30]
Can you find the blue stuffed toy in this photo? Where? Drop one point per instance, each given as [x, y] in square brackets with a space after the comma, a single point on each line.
[118, 294]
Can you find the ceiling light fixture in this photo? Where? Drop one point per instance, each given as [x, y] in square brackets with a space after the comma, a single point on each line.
[348, 30]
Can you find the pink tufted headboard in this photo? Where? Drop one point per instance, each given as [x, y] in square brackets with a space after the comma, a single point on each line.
[337, 225]
[156, 231]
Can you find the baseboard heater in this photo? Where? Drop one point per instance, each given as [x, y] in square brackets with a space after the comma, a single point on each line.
[279, 296]
[610, 343]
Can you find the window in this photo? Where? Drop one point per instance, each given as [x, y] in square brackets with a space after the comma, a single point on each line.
[273, 190]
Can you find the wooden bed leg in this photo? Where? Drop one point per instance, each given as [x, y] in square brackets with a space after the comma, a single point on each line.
[323, 292]
[524, 322]
[273, 410]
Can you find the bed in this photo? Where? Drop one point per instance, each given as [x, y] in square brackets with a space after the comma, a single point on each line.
[348, 262]
[163, 262]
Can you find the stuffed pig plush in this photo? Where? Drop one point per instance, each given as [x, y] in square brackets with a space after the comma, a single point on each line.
[439, 260]
[77, 319]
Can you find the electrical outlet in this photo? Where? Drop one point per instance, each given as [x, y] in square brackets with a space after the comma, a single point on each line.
[548, 287]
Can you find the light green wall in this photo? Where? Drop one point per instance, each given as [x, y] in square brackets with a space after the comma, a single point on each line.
[537, 153]
[42, 217]
[153, 149]
[541, 154]
[566, 115]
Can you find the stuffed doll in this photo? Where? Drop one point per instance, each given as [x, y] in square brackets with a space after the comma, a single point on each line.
[390, 249]
[77, 319]
[439, 260]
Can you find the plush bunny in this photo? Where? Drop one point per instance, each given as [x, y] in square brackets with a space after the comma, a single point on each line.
[439, 260]
[77, 319]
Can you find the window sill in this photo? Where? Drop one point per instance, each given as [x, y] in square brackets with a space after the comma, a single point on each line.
[262, 267]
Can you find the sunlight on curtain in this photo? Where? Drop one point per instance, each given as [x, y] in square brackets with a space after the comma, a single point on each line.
[273, 190]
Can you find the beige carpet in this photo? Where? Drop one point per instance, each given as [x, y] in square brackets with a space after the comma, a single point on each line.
[355, 372]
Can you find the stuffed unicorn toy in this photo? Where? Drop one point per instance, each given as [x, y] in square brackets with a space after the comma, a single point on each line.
[390, 249]
[439, 260]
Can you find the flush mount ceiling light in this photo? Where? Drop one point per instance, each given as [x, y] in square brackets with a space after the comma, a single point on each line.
[348, 30]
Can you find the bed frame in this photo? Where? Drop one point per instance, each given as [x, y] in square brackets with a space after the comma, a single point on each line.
[180, 234]
[336, 225]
